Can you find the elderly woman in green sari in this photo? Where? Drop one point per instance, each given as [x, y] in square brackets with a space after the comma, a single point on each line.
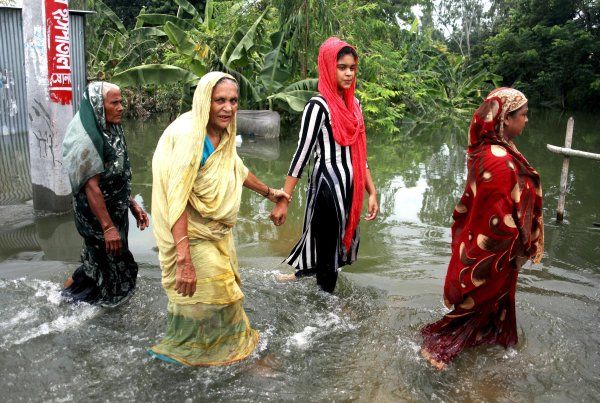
[197, 180]
[95, 158]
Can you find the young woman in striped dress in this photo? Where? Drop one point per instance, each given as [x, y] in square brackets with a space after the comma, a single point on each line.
[333, 130]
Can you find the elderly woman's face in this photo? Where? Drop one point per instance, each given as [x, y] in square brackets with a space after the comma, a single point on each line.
[113, 106]
[224, 105]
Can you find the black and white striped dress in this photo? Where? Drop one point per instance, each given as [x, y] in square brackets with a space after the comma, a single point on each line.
[333, 170]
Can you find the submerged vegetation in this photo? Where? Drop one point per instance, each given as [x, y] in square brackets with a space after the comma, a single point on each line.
[411, 70]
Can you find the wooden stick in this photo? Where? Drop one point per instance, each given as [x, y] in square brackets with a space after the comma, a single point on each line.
[572, 153]
[560, 210]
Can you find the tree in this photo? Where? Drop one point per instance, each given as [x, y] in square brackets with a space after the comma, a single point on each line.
[461, 22]
[551, 50]
[128, 10]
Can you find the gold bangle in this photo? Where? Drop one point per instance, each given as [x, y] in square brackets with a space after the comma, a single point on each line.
[108, 229]
[181, 239]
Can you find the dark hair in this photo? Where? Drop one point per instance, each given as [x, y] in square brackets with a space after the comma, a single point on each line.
[347, 50]
[513, 113]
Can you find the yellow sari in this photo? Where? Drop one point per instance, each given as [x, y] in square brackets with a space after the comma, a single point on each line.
[211, 327]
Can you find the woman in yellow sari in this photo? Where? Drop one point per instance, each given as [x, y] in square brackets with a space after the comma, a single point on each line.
[196, 191]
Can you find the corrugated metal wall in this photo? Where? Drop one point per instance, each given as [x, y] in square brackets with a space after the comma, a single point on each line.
[78, 70]
[15, 178]
[13, 100]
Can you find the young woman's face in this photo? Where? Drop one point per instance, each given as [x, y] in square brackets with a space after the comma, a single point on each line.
[515, 123]
[346, 70]
[223, 105]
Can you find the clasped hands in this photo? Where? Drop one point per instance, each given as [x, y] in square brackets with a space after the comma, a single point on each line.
[281, 200]
[279, 213]
[276, 195]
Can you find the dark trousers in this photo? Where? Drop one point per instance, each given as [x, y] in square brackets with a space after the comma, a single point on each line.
[327, 232]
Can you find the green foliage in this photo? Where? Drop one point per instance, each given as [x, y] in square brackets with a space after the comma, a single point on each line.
[405, 74]
[554, 65]
[128, 10]
[113, 48]
[152, 74]
[549, 49]
[263, 73]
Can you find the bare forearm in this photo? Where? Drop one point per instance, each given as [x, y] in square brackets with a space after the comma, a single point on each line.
[253, 183]
[179, 229]
[180, 237]
[290, 184]
[369, 185]
[98, 206]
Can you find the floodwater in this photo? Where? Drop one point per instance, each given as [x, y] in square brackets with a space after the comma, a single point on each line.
[360, 343]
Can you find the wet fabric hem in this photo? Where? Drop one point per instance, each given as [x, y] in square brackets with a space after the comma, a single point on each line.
[311, 271]
[155, 352]
[65, 293]
[162, 357]
[203, 345]
[117, 304]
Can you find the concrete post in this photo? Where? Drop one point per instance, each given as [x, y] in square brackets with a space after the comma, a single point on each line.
[48, 114]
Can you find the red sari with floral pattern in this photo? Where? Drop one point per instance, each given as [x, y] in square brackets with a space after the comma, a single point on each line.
[497, 227]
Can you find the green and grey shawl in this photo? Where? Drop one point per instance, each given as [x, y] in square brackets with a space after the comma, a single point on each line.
[85, 144]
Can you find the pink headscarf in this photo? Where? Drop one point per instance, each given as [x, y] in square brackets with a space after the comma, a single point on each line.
[347, 124]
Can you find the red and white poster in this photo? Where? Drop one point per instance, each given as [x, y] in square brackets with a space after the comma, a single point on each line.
[59, 51]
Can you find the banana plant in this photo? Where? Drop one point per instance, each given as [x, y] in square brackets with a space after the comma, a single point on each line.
[119, 49]
[241, 56]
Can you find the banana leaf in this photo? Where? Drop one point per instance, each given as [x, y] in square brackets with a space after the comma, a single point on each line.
[198, 68]
[105, 10]
[247, 41]
[180, 38]
[308, 84]
[145, 33]
[231, 44]
[189, 8]
[136, 54]
[153, 74]
[162, 19]
[274, 72]
[209, 9]
[294, 101]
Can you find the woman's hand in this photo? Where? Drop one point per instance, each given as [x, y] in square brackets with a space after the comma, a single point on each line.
[185, 278]
[276, 195]
[112, 238]
[279, 213]
[140, 215]
[372, 208]
[185, 275]
[112, 241]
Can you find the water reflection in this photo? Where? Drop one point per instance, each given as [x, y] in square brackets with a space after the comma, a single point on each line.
[55, 236]
[363, 342]
[15, 180]
[419, 179]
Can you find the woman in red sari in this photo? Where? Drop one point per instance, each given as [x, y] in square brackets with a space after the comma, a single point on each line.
[497, 227]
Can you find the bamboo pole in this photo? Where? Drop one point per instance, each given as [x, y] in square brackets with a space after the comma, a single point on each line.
[572, 153]
[560, 210]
